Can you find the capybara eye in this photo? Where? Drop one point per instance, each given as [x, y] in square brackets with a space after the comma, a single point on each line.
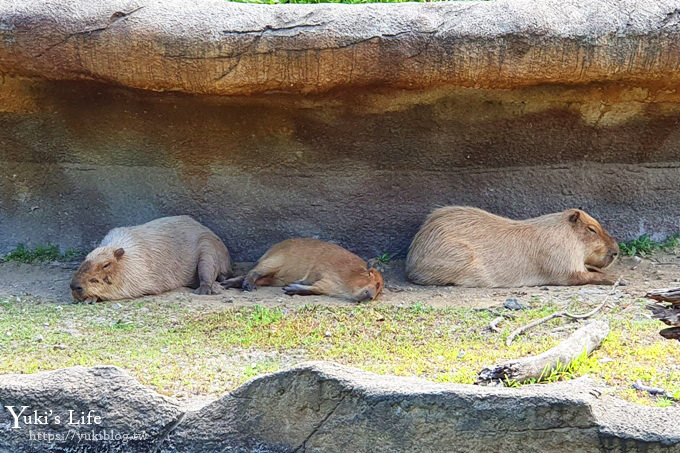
[105, 265]
[592, 230]
[94, 280]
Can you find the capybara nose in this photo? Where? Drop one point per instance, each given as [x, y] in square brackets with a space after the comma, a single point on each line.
[76, 287]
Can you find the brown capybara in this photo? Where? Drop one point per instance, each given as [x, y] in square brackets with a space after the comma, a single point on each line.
[307, 266]
[158, 256]
[469, 247]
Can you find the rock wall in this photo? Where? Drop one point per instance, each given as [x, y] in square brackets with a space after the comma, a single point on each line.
[324, 407]
[344, 122]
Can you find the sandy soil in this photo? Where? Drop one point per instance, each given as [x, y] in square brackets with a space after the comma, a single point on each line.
[49, 283]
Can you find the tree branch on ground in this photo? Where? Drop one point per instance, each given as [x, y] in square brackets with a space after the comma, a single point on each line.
[587, 338]
[563, 314]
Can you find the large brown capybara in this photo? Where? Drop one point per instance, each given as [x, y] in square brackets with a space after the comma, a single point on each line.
[158, 256]
[306, 266]
[470, 247]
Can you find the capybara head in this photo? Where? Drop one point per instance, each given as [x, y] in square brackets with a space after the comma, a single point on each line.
[369, 286]
[600, 248]
[96, 277]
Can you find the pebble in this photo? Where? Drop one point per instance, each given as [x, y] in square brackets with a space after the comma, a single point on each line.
[8, 334]
[327, 334]
[230, 300]
[279, 300]
[606, 360]
[193, 341]
[39, 338]
[116, 306]
[513, 304]
[59, 346]
[460, 355]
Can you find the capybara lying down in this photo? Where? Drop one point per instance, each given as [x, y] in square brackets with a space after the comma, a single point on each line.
[308, 266]
[158, 256]
[469, 247]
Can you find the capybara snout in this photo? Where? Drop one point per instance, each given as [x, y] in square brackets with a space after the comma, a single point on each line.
[601, 250]
[96, 273]
[373, 287]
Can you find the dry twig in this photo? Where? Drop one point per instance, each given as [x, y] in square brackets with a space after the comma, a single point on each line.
[563, 314]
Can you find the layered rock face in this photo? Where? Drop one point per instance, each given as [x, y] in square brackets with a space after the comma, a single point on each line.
[344, 122]
[324, 407]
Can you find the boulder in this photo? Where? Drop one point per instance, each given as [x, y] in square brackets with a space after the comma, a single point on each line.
[322, 407]
[99, 409]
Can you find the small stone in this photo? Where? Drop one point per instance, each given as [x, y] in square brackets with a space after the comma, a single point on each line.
[606, 360]
[279, 300]
[193, 341]
[59, 307]
[513, 304]
[39, 338]
[116, 306]
[164, 350]
[60, 346]
[327, 334]
[460, 355]
[230, 300]
[8, 334]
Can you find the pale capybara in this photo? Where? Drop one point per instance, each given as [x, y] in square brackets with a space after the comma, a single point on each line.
[306, 266]
[158, 256]
[470, 247]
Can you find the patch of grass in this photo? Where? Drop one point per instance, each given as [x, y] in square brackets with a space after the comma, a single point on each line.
[385, 258]
[40, 254]
[645, 246]
[181, 349]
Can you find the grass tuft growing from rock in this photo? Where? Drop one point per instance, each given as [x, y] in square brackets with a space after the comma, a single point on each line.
[41, 254]
[645, 246]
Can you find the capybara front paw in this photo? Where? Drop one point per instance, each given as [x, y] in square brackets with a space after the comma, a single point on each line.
[204, 290]
[248, 286]
[290, 290]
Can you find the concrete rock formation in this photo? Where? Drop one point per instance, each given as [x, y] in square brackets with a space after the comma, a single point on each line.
[343, 122]
[322, 407]
[216, 47]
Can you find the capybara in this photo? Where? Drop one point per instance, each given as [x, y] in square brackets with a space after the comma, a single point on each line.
[306, 266]
[470, 247]
[158, 256]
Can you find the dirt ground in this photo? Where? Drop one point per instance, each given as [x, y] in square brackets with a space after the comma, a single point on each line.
[49, 283]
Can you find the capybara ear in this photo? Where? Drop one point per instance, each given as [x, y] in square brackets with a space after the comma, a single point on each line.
[574, 216]
[118, 253]
[375, 273]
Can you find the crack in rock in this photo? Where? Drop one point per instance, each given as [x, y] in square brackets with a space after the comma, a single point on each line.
[303, 445]
[115, 17]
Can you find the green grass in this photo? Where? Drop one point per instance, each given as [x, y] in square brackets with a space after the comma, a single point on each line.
[181, 349]
[645, 246]
[41, 254]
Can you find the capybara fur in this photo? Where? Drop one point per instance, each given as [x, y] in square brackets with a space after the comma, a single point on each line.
[158, 256]
[470, 247]
[306, 266]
